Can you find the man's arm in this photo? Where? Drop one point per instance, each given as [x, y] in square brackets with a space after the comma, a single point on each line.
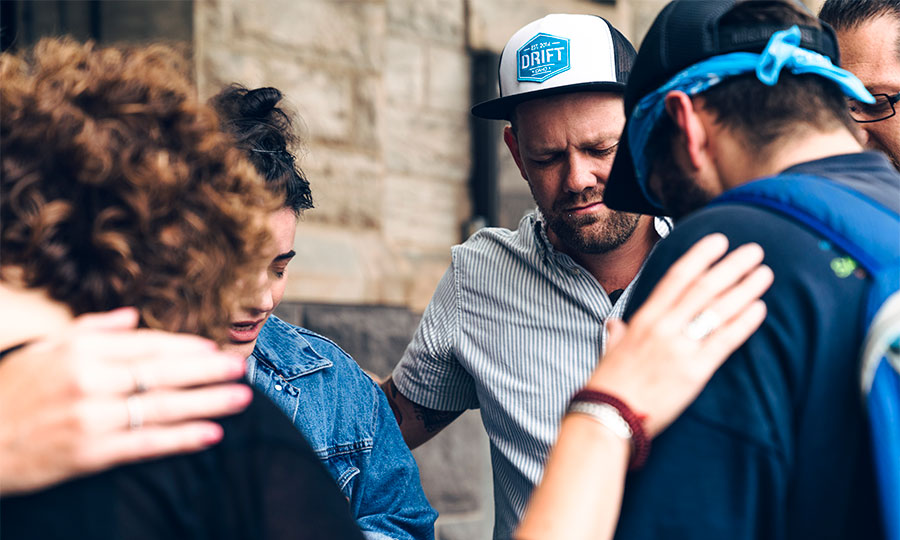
[417, 423]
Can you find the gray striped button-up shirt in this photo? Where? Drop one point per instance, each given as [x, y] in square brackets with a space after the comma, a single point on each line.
[515, 327]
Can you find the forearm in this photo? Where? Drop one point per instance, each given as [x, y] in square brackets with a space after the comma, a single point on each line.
[578, 497]
[418, 424]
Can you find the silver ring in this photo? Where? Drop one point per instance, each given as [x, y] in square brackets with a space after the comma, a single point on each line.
[140, 384]
[703, 325]
[135, 411]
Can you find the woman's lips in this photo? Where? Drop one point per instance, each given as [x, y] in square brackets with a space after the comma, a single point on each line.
[244, 331]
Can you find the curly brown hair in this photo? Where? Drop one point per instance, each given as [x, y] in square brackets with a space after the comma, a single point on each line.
[120, 189]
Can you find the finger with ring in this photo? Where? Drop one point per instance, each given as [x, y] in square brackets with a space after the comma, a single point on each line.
[135, 411]
[703, 325]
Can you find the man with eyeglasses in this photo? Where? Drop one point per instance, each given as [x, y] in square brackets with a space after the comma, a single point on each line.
[868, 35]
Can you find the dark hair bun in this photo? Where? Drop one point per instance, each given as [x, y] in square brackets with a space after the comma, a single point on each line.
[258, 103]
[265, 131]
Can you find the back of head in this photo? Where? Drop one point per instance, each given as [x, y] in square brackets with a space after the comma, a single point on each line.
[767, 115]
[119, 188]
[684, 42]
[265, 132]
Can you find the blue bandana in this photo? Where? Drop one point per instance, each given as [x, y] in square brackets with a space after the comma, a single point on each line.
[782, 52]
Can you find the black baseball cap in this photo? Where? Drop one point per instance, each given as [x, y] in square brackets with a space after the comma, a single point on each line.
[683, 34]
[558, 54]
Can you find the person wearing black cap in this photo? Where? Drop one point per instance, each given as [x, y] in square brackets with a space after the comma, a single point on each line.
[513, 301]
[737, 123]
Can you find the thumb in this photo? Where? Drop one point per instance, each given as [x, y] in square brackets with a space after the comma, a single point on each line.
[125, 318]
[616, 329]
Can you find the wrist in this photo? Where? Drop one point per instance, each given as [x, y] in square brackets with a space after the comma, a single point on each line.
[617, 418]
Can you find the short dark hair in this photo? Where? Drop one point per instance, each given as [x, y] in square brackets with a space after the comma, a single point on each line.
[848, 14]
[763, 114]
[266, 133]
[841, 14]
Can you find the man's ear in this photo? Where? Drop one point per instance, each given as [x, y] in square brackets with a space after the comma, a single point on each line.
[690, 128]
[513, 144]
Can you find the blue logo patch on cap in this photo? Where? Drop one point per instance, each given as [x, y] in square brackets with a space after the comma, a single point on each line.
[542, 57]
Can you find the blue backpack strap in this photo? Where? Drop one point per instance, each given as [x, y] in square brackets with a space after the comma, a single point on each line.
[861, 227]
[881, 386]
[870, 234]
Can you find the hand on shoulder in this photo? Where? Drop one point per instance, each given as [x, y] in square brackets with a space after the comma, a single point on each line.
[105, 393]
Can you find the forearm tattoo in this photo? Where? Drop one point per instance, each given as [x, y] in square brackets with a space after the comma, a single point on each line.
[432, 420]
[392, 400]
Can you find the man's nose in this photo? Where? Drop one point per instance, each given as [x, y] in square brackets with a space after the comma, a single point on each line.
[581, 174]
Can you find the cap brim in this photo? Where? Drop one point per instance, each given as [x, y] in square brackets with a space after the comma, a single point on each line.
[622, 191]
[501, 108]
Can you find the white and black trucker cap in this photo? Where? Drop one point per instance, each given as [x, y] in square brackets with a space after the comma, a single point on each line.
[557, 54]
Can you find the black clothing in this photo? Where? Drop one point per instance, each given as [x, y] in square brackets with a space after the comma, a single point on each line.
[777, 445]
[262, 481]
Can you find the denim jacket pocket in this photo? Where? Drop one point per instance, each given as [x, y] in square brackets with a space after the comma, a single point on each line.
[344, 468]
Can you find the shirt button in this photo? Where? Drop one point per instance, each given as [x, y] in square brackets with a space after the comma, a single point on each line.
[278, 387]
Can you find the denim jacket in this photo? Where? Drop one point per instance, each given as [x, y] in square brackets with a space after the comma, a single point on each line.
[348, 422]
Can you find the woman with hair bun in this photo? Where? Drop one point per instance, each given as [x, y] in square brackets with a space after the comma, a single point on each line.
[337, 407]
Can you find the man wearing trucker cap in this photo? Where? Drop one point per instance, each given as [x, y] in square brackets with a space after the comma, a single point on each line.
[516, 325]
[737, 123]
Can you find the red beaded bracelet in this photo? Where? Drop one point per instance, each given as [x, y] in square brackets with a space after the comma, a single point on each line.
[640, 443]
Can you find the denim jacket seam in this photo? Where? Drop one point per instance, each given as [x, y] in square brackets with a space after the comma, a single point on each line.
[281, 375]
[346, 477]
[344, 449]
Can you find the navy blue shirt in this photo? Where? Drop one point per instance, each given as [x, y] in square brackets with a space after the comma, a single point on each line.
[777, 444]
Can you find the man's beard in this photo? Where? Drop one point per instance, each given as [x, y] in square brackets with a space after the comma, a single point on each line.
[591, 234]
[677, 191]
[895, 160]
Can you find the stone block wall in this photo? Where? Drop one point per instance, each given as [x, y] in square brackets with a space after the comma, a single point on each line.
[382, 87]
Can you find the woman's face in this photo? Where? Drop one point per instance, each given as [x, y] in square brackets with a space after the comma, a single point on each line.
[247, 322]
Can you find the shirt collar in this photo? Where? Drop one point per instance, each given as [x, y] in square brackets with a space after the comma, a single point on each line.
[288, 352]
[869, 161]
[870, 173]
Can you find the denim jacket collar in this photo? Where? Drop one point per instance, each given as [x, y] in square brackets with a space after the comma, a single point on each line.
[288, 352]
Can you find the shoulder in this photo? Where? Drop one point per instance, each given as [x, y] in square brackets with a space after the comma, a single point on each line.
[741, 223]
[803, 262]
[494, 249]
[491, 240]
[296, 351]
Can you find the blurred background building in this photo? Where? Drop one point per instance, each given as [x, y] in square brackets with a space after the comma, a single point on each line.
[399, 169]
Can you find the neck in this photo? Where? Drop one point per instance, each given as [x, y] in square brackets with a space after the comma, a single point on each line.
[741, 166]
[615, 269]
[29, 314]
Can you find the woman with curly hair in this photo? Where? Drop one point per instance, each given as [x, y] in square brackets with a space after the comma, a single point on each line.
[341, 412]
[119, 189]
